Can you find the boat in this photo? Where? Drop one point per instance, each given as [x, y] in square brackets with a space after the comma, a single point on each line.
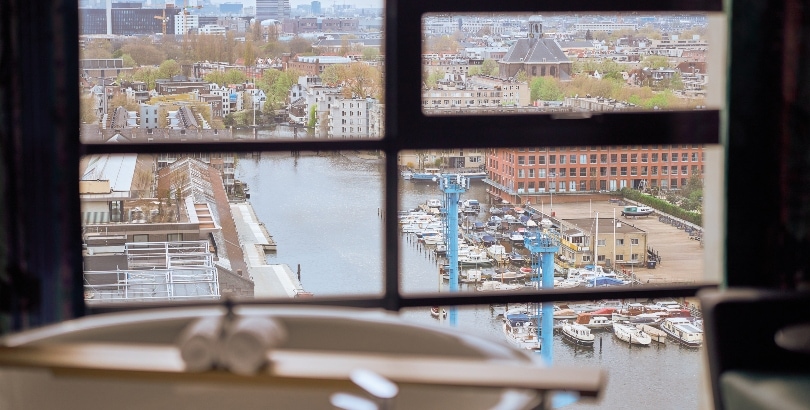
[631, 334]
[656, 335]
[600, 281]
[521, 332]
[593, 321]
[637, 210]
[428, 174]
[434, 312]
[682, 330]
[577, 334]
[517, 239]
[516, 258]
[495, 285]
[496, 211]
[475, 259]
[503, 274]
[497, 252]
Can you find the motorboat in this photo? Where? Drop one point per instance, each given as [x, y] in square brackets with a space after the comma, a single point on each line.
[600, 281]
[592, 321]
[495, 285]
[656, 334]
[516, 258]
[497, 252]
[521, 332]
[637, 211]
[503, 274]
[577, 334]
[517, 239]
[683, 330]
[631, 334]
[475, 259]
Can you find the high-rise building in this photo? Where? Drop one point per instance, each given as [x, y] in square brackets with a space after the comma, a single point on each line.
[272, 9]
[316, 8]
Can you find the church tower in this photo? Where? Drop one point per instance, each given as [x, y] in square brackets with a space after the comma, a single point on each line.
[535, 29]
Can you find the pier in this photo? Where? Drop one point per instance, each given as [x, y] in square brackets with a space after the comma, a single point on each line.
[270, 281]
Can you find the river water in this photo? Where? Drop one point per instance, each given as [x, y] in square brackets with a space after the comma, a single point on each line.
[324, 212]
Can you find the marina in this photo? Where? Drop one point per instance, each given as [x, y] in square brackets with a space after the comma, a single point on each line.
[323, 212]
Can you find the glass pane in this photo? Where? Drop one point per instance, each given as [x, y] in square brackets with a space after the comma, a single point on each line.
[639, 222]
[584, 336]
[266, 225]
[194, 72]
[563, 63]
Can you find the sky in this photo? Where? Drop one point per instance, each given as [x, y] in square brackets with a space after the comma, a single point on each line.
[324, 3]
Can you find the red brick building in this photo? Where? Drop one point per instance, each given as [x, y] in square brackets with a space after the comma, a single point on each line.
[521, 175]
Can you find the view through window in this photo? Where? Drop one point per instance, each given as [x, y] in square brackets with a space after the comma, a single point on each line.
[267, 221]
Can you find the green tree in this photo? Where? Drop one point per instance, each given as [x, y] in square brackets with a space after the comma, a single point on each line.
[88, 109]
[655, 62]
[474, 70]
[588, 35]
[148, 75]
[312, 116]
[545, 89]
[128, 60]
[433, 77]
[489, 67]
[521, 76]
[169, 69]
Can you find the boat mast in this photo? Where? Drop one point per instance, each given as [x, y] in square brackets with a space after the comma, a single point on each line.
[595, 250]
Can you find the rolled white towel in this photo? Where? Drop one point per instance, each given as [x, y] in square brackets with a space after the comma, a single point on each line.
[247, 342]
[199, 344]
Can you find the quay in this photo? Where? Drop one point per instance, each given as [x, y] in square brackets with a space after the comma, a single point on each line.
[270, 281]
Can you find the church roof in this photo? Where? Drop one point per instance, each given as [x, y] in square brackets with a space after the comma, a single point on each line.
[531, 51]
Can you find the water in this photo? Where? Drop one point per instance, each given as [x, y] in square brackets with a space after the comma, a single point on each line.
[323, 210]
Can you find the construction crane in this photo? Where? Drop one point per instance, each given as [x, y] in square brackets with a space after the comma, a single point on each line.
[164, 19]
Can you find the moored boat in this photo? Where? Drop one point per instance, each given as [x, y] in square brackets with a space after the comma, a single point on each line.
[520, 331]
[593, 321]
[682, 330]
[577, 334]
[656, 335]
[631, 334]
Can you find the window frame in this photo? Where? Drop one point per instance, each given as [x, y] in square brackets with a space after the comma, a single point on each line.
[406, 127]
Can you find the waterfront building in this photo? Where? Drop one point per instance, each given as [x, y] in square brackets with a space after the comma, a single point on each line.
[354, 118]
[447, 158]
[529, 175]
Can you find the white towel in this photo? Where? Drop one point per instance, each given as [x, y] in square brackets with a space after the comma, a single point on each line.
[248, 341]
[199, 344]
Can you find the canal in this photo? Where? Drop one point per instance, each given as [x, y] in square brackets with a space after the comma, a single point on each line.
[324, 211]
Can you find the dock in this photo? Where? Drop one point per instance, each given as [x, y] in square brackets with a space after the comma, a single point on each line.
[270, 281]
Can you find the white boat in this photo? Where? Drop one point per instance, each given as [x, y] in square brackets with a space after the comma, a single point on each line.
[517, 238]
[577, 334]
[494, 285]
[521, 332]
[475, 259]
[497, 252]
[502, 274]
[656, 335]
[682, 330]
[631, 334]
[593, 321]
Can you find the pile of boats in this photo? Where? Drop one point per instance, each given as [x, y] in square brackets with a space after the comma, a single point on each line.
[633, 323]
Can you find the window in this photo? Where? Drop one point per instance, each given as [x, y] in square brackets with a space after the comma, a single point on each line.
[408, 118]
[624, 158]
[619, 242]
[140, 238]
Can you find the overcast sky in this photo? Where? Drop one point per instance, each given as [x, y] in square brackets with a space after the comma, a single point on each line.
[324, 3]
